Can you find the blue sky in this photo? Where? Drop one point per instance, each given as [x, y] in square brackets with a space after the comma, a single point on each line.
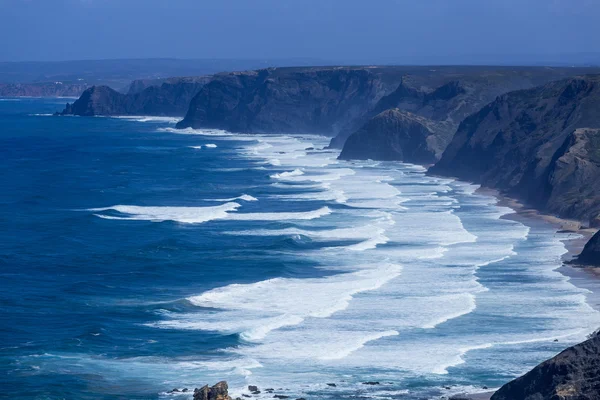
[361, 31]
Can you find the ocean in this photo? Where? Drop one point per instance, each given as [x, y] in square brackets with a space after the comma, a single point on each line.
[136, 259]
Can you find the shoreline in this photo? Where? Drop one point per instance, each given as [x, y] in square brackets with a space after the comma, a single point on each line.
[583, 276]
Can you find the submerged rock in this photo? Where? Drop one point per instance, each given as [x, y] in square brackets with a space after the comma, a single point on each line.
[574, 374]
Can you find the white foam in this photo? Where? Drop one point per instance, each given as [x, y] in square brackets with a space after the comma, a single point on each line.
[245, 197]
[141, 118]
[210, 145]
[281, 216]
[196, 215]
[190, 215]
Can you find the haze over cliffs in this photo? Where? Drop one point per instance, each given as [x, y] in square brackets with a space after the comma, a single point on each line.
[537, 145]
[290, 100]
[170, 98]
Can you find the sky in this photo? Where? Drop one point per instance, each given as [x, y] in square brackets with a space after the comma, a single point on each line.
[359, 31]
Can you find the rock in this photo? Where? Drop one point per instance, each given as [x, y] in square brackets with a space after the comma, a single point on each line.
[246, 395]
[252, 388]
[574, 374]
[316, 100]
[595, 221]
[331, 384]
[269, 390]
[591, 252]
[256, 392]
[175, 390]
[539, 145]
[216, 392]
[171, 98]
[280, 396]
[398, 135]
[370, 383]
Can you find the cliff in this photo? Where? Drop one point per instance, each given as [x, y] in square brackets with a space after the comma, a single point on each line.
[289, 100]
[531, 144]
[574, 374]
[43, 89]
[398, 135]
[591, 252]
[171, 98]
[460, 93]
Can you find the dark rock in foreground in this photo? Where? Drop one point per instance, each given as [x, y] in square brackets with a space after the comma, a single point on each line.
[216, 392]
[574, 374]
[591, 252]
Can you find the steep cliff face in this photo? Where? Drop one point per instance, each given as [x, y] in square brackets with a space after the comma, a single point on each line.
[449, 95]
[171, 98]
[287, 100]
[527, 143]
[397, 135]
[574, 374]
[591, 252]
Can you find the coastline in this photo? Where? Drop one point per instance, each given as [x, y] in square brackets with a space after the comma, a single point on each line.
[582, 276]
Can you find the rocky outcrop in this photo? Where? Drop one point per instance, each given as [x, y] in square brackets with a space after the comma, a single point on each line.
[289, 100]
[591, 252]
[171, 98]
[450, 94]
[43, 89]
[574, 374]
[397, 135]
[540, 145]
[216, 392]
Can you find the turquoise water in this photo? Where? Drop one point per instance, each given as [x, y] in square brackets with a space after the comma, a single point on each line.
[136, 259]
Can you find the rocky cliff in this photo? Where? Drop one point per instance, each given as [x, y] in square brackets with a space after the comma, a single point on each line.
[170, 98]
[461, 93]
[398, 135]
[574, 374]
[531, 144]
[289, 100]
[591, 252]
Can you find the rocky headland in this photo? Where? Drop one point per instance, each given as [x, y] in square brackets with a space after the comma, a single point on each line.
[574, 374]
[169, 98]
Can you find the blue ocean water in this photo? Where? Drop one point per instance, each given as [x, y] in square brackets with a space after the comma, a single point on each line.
[135, 259]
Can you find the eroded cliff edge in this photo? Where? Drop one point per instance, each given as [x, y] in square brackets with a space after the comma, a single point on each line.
[574, 374]
[539, 145]
[169, 98]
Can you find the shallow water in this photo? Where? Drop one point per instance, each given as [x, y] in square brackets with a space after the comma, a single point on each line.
[136, 259]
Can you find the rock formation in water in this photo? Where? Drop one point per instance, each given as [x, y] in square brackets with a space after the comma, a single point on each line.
[397, 135]
[574, 374]
[539, 145]
[216, 392]
[42, 89]
[171, 98]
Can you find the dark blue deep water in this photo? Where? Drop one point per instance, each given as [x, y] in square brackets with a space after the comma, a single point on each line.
[135, 259]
